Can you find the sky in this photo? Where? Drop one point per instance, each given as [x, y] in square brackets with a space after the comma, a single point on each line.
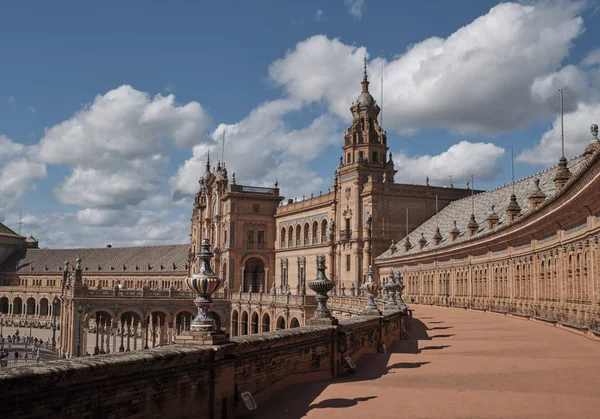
[108, 109]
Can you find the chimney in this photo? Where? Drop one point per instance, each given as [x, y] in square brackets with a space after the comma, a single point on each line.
[513, 210]
[422, 241]
[472, 227]
[437, 237]
[454, 233]
[492, 219]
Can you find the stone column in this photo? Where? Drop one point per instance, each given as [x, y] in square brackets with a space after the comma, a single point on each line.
[135, 338]
[243, 280]
[97, 348]
[102, 325]
[265, 280]
[114, 334]
[122, 347]
[128, 333]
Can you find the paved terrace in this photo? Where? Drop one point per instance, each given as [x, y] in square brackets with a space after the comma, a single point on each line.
[460, 364]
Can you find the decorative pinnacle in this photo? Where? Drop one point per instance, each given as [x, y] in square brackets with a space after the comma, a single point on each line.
[365, 73]
[594, 130]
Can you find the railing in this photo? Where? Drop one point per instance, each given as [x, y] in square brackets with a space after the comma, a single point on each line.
[5, 362]
[345, 235]
[278, 299]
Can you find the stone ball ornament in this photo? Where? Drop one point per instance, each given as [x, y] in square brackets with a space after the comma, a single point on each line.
[204, 282]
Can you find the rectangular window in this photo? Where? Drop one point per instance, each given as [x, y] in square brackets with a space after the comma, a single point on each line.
[250, 237]
[361, 156]
[260, 238]
[347, 263]
[348, 158]
[233, 207]
[375, 157]
[232, 235]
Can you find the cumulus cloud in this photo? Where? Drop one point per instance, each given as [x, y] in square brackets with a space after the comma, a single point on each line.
[577, 136]
[482, 160]
[277, 151]
[19, 168]
[116, 148]
[64, 229]
[355, 8]
[477, 80]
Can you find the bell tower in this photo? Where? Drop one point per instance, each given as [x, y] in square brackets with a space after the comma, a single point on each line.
[365, 142]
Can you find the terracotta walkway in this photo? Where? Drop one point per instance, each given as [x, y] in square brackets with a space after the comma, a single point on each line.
[461, 364]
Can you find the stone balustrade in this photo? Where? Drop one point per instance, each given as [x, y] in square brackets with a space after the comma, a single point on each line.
[193, 381]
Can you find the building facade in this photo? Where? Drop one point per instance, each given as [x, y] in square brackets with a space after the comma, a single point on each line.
[529, 248]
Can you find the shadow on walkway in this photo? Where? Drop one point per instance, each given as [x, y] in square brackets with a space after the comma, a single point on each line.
[435, 348]
[337, 403]
[442, 336]
[440, 328]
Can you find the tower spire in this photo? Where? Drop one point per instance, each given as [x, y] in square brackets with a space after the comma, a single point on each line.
[365, 80]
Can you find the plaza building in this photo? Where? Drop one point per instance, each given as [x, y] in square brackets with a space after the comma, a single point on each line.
[528, 248]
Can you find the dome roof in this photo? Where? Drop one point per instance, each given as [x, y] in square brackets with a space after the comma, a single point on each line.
[365, 99]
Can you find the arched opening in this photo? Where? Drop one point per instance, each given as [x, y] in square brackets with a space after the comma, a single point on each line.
[280, 323]
[157, 330]
[183, 321]
[282, 238]
[102, 327]
[30, 306]
[294, 323]
[244, 328]
[234, 323]
[17, 306]
[266, 323]
[315, 232]
[324, 231]
[215, 316]
[291, 236]
[298, 235]
[254, 323]
[44, 307]
[306, 233]
[254, 275]
[128, 330]
[4, 305]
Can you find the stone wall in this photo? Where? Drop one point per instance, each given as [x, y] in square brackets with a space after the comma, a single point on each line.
[187, 381]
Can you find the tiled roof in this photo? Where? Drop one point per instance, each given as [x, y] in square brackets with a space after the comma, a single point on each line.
[148, 259]
[5, 231]
[460, 211]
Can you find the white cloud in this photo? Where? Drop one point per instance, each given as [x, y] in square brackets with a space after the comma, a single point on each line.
[477, 80]
[459, 161]
[116, 147]
[64, 229]
[19, 168]
[320, 16]
[577, 136]
[11, 99]
[355, 8]
[276, 150]
[592, 58]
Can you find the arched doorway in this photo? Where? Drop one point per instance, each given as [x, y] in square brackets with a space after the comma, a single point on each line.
[254, 275]
[30, 306]
[234, 323]
[44, 307]
[266, 323]
[254, 323]
[18, 306]
[294, 323]
[280, 323]
[244, 328]
[4, 305]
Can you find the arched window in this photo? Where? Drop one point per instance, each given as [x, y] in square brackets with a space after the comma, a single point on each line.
[324, 231]
[291, 236]
[282, 237]
[315, 232]
[298, 235]
[306, 232]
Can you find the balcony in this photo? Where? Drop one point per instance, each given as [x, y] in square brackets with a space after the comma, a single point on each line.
[345, 235]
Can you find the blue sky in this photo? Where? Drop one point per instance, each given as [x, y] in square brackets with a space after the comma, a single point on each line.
[91, 155]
